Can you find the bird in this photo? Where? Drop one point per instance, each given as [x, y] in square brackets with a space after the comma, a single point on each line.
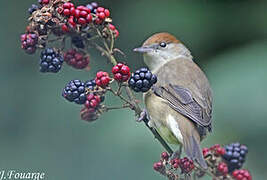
[179, 105]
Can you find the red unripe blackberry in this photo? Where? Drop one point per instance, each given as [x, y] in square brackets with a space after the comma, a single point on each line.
[222, 168]
[76, 59]
[66, 12]
[220, 151]
[44, 1]
[158, 166]
[175, 161]
[215, 146]
[116, 33]
[92, 101]
[102, 79]
[83, 8]
[165, 156]
[83, 14]
[107, 12]
[65, 28]
[101, 15]
[242, 174]
[98, 21]
[82, 21]
[68, 5]
[66, 9]
[71, 21]
[100, 9]
[186, 165]
[111, 27]
[29, 42]
[121, 72]
[72, 11]
[205, 151]
[77, 13]
[176, 165]
[114, 30]
[89, 18]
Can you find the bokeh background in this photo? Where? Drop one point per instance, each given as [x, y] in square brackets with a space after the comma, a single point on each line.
[40, 131]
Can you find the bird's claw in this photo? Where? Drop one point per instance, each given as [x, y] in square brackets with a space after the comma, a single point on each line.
[143, 116]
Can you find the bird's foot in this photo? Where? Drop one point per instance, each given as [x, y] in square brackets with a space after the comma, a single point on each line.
[143, 116]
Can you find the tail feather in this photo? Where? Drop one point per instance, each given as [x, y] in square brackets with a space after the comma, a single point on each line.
[193, 150]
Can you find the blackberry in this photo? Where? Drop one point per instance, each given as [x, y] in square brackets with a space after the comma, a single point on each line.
[33, 8]
[77, 41]
[50, 61]
[92, 6]
[142, 80]
[187, 165]
[29, 42]
[76, 59]
[235, 155]
[74, 91]
[90, 84]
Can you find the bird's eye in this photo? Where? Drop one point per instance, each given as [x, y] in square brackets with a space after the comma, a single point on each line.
[163, 44]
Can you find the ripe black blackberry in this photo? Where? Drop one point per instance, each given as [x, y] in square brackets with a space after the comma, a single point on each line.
[77, 41]
[90, 84]
[142, 80]
[33, 8]
[235, 155]
[92, 6]
[74, 91]
[51, 60]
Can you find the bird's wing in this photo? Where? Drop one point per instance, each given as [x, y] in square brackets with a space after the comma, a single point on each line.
[181, 100]
[188, 93]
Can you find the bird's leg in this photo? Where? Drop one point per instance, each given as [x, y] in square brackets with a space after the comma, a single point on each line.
[143, 116]
[177, 154]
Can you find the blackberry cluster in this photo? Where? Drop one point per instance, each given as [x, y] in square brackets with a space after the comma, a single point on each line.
[142, 80]
[74, 91]
[33, 8]
[235, 155]
[50, 61]
[77, 41]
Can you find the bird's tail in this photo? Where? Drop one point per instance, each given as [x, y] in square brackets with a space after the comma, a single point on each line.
[193, 150]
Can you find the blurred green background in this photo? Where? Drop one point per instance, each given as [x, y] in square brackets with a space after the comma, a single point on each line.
[40, 131]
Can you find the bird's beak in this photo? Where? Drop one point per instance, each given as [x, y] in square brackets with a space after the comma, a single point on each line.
[143, 49]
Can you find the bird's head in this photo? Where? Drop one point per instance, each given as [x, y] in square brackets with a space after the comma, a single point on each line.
[161, 48]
